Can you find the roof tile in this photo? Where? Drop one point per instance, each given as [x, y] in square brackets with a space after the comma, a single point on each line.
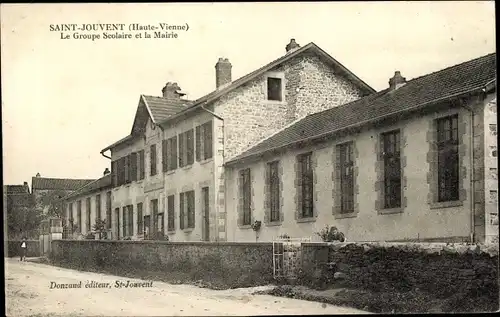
[42, 183]
[450, 81]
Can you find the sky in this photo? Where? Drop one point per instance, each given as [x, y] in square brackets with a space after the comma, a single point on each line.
[64, 100]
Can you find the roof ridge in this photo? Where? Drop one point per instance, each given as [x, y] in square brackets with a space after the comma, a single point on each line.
[451, 66]
[75, 179]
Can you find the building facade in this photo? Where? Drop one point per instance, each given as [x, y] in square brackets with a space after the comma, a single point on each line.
[404, 164]
[168, 174]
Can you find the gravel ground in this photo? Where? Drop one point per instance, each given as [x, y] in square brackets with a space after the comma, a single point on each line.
[29, 293]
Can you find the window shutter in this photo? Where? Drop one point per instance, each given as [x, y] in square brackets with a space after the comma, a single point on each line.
[190, 147]
[207, 137]
[133, 166]
[114, 173]
[142, 167]
[181, 150]
[174, 152]
[127, 168]
[181, 211]
[198, 143]
[164, 155]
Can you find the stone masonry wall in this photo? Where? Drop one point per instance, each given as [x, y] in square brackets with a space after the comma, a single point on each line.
[440, 269]
[310, 86]
[225, 264]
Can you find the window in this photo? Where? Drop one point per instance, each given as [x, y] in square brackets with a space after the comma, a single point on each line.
[98, 207]
[204, 141]
[124, 221]
[142, 167]
[130, 220]
[127, 169]
[274, 90]
[160, 224]
[108, 210]
[246, 195]
[114, 173]
[147, 225]
[140, 219]
[274, 191]
[164, 156]
[88, 222]
[133, 167]
[170, 213]
[154, 217]
[206, 213]
[152, 159]
[70, 213]
[171, 153]
[79, 215]
[186, 148]
[117, 222]
[346, 177]
[447, 145]
[307, 185]
[187, 209]
[392, 169]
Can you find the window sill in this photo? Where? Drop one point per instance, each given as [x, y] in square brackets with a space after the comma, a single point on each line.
[188, 230]
[245, 226]
[390, 211]
[187, 167]
[346, 215]
[274, 102]
[170, 172]
[171, 231]
[203, 162]
[446, 204]
[308, 219]
[274, 223]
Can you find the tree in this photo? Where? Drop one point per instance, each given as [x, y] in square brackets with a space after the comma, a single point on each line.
[100, 228]
[52, 200]
[330, 234]
[23, 221]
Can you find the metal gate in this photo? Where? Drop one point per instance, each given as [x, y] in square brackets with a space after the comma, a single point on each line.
[287, 256]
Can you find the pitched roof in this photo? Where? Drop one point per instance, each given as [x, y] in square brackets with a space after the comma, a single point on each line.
[42, 183]
[422, 91]
[96, 185]
[162, 110]
[311, 47]
[16, 189]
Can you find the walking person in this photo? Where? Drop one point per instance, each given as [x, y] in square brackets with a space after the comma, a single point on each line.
[24, 246]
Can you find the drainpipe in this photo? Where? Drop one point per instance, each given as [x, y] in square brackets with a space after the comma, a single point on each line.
[223, 161]
[472, 185]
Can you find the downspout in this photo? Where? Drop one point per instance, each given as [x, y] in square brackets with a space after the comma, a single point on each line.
[472, 184]
[223, 161]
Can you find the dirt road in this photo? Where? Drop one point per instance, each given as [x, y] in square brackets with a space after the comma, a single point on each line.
[35, 289]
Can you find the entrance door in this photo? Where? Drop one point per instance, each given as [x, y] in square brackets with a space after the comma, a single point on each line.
[117, 222]
[206, 213]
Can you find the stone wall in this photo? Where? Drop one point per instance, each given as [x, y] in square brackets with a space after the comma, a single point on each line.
[225, 264]
[440, 269]
[14, 248]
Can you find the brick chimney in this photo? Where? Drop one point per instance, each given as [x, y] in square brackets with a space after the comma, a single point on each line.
[106, 171]
[397, 81]
[222, 72]
[172, 91]
[292, 46]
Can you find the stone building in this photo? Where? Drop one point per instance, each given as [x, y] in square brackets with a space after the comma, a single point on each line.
[405, 163]
[168, 174]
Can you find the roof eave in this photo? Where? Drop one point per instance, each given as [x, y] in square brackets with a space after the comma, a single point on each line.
[251, 158]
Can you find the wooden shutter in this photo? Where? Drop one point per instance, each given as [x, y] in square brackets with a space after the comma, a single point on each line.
[173, 152]
[142, 167]
[198, 143]
[207, 140]
[114, 174]
[182, 150]
[190, 147]
[181, 211]
[164, 155]
[133, 166]
[126, 159]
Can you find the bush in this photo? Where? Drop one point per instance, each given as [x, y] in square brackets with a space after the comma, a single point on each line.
[330, 234]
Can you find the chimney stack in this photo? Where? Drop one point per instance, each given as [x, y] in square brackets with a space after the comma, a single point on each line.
[290, 47]
[25, 183]
[397, 81]
[172, 91]
[37, 174]
[222, 72]
[106, 171]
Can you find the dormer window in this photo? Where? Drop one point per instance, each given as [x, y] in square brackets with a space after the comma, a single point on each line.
[274, 89]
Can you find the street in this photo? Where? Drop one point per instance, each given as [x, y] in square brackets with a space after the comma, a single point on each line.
[34, 289]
